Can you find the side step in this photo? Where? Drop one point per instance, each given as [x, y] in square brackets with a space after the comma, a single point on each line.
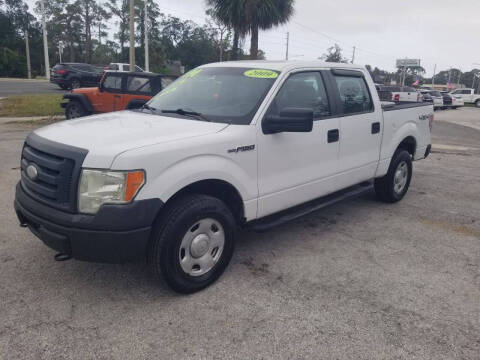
[295, 212]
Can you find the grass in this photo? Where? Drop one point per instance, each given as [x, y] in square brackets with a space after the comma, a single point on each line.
[31, 105]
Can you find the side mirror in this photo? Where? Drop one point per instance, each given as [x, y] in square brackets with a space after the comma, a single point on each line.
[100, 86]
[136, 104]
[289, 120]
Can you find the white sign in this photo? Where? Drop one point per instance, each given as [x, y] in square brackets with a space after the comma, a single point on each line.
[408, 62]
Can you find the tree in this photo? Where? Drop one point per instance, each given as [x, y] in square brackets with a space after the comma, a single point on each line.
[222, 32]
[334, 54]
[121, 11]
[264, 15]
[232, 14]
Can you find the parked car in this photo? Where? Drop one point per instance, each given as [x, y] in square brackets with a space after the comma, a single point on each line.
[434, 97]
[123, 67]
[398, 93]
[75, 75]
[451, 102]
[468, 96]
[116, 91]
[227, 145]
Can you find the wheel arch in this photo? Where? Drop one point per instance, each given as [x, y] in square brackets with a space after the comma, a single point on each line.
[409, 143]
[82, 99]
[220, 189]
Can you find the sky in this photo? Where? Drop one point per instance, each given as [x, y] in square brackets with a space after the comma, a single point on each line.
[441, 32]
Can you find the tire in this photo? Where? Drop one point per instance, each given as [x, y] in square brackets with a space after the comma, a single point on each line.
[477, 103]
[454, 107]
[63, 87]
[75, 83]
[393, 186]
[186, 247]
[74, 109]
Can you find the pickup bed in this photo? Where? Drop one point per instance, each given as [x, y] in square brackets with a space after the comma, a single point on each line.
[227, 145]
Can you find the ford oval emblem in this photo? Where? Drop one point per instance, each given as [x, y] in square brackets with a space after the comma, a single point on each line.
[32, 172]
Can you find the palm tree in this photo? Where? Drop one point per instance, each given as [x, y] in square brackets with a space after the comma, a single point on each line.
[248, 16]
[231, 13]
[265, 14]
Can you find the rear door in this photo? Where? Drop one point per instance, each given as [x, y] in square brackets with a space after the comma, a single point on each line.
[360, 126]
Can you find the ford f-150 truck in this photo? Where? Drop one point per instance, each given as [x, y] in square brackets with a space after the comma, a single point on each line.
[468, 96]
[227, 145]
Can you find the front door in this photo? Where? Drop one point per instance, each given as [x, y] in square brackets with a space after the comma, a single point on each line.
[110, 98]
[297, 167]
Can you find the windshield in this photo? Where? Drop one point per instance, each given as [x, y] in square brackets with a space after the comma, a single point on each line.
[219, 94]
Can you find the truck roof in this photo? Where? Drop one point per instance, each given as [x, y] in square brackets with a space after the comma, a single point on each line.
[283, 65]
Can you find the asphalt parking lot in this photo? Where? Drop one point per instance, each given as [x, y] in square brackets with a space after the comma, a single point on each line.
[9, 87]
[359, 280]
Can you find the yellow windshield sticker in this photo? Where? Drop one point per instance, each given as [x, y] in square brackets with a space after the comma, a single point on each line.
[261, 73]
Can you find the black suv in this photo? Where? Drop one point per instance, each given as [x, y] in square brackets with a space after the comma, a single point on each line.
[75, 75]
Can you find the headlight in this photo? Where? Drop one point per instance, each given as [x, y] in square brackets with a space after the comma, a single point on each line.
[98, 187]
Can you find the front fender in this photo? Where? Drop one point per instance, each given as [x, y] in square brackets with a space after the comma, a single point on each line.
[82, 99]
[198, 168]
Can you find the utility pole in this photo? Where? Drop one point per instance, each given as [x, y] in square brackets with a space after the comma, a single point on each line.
[45, 44]
[145, 26]
[288, 39]
[433, 78]
[132, 37]
[353, 55]
[60, 49]
[27, 52]
[449, 75]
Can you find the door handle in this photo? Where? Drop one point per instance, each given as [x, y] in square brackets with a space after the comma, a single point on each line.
[333, 135]
[116, 96]
[375, 128]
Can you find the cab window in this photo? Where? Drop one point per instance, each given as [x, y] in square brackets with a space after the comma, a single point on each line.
[113, 83]
[354, 95]
[138, 84]
[302, 90]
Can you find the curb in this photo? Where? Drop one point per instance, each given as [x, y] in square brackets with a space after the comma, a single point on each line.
[13, 120]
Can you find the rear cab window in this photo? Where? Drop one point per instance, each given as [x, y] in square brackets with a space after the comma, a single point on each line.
[139, 84]
[354, 95]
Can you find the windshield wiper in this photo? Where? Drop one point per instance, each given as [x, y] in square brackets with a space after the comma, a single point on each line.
[185, 113]
[148, 107]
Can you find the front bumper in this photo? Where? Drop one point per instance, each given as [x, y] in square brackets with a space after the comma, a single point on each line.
[116, 234]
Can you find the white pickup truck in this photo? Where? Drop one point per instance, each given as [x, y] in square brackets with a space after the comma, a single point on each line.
[228, 145]
[468, 96]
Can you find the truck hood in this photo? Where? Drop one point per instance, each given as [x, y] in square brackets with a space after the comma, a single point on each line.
[107, 135]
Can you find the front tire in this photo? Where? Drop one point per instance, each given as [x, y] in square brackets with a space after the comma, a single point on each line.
[74, 109]
[477, 103]
[393, 186]
[192, 243]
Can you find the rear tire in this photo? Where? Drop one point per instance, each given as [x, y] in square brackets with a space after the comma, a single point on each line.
[74, 109]
[477, 103]
[75, 84]
[192, 243]
[393, 186]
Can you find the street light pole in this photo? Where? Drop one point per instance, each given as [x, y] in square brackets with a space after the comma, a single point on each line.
[132, 38]
[45, 44]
